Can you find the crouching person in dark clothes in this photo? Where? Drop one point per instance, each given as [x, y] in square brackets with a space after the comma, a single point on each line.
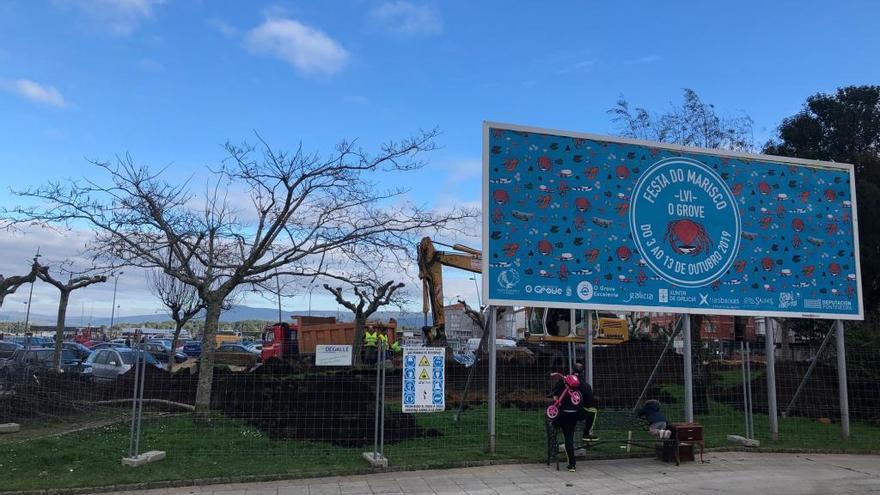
[656, 419]
[566, 410]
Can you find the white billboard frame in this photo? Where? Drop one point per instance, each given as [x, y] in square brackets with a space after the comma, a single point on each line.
[849, 168]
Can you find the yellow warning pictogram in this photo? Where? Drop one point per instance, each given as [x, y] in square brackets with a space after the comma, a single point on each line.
[424, 375]
[424, 361]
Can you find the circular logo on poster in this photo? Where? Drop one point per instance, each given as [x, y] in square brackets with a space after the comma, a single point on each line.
[585, 290]
[685, 222]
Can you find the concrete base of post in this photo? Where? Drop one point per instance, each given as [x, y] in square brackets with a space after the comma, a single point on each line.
[9, 428]
[745, 442]
[145, 458]
[375, 459]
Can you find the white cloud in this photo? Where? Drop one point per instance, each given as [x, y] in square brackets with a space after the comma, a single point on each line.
[119, 17]
[25, 88]
[358, 99]
[309, 50]
[463, 172]
[643, 60]
[224, 28]
[406, 18]
[581, 66]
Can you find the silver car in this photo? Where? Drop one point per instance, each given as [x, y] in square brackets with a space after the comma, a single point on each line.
[106, 365]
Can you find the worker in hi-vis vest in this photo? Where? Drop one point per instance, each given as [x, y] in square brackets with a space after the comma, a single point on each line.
[370, 341]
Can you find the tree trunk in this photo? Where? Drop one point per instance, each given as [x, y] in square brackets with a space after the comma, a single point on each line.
[785, 343]
[59, 327]
[206, 360]
[360, 324]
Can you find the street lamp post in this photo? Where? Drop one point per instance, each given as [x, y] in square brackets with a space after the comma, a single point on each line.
[113, 309]
[477, 286]
[27, 315]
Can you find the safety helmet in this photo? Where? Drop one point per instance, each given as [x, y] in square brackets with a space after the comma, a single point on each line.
[572, 381]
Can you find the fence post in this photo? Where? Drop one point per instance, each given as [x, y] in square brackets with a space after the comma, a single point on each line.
[493, 362]
[841, 380]
[688, 370]
[132, 452]
[770, 352]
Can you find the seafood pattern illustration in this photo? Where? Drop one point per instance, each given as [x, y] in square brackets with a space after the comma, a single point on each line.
[590, 223]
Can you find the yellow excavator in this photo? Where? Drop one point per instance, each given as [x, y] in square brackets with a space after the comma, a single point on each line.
[431, 262]
[543, 325]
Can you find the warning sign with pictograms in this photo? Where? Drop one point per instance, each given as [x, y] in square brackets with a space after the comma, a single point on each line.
[424, 379]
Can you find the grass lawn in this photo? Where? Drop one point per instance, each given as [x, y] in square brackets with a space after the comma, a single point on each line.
[230, 448]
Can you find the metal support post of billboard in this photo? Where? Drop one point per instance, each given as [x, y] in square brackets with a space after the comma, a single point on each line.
[572, 330]
[588, 349]
[493, 362]
[809, 372]
[742, 366]
[841, 380]
[688, 369]
[748, 384]
[770, 354]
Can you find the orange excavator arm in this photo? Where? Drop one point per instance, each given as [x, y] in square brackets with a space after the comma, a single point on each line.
[431, 263]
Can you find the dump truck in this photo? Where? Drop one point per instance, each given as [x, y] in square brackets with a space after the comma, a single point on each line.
[298, 340]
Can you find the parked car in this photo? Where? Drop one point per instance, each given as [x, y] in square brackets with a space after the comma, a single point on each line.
[106, 365]
[192, 348]
[160, 350]
[33, 341]
[236, 355]
[80, 351]
[109, 345]
[7, 348]
[168, 342]
[26, 362]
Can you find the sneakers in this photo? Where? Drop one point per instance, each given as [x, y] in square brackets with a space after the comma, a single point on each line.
[590, 438]
[571, 469]
[663, 434]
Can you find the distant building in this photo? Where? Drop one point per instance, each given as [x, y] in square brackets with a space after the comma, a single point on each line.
[714, 326]
[459, 327]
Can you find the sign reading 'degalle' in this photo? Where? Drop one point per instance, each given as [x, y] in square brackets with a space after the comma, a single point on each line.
[333, 355]
[583, 221]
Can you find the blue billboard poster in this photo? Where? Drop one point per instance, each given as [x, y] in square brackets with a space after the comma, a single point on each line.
[593, 222]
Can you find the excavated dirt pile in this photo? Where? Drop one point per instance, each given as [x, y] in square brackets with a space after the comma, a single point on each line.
[329, 406]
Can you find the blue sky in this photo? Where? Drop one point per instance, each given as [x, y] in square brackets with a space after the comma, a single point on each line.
[170, 81]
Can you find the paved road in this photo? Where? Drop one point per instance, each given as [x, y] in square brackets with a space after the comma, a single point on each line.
[724, 473]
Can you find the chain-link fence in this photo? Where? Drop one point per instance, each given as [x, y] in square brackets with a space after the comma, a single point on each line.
[296, 419]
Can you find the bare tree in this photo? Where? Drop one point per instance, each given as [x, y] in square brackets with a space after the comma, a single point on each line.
[694, 123]
[182, 302]
[370, 296]
[75, 281]
[8, 285]
[295, 212]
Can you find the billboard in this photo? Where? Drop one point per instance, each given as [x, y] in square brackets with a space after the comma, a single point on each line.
[593, 222]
